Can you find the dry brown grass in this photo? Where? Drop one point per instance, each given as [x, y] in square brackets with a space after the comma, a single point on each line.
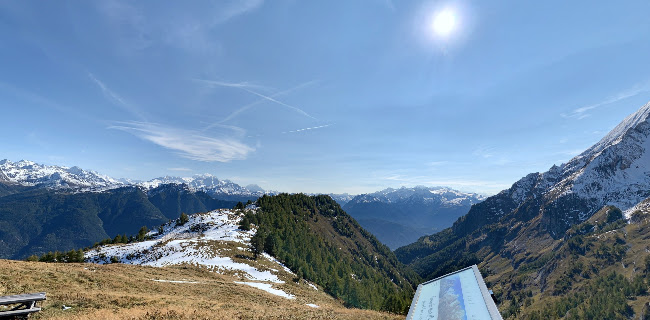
[119, 291]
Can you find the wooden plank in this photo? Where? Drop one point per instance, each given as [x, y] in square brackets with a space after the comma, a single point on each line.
[21, 298]
[18, 312]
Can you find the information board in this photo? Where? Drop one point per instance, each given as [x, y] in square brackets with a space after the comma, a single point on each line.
[461, 295]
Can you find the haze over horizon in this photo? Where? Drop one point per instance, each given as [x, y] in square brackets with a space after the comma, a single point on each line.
[328, 97]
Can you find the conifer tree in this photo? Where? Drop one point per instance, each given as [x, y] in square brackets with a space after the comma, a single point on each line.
[245, 224]
[183, 219]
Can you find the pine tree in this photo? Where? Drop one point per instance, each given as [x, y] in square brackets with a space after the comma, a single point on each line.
[245, 224]
[143, 233]
[183, 219]
[258, 244]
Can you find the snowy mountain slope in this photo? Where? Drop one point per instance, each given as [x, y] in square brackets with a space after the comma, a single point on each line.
[28, 173]
[223, 189]
[212, 240]
[615, 171]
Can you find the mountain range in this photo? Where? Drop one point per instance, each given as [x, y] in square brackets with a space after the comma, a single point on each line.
[31, 174]
[522, 235]
[398, 217]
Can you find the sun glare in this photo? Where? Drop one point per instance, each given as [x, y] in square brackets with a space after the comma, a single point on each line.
[444, 22]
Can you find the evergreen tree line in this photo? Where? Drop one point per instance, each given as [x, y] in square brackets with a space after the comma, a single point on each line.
[319, 242]
[73, 255]
[122, 238]
[604, 297]
[63, 257]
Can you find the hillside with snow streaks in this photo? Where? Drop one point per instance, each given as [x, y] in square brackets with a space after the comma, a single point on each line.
[211, 240]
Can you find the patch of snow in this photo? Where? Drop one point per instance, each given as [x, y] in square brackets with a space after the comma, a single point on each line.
[312, 305]
[268, 288]
[174, 281]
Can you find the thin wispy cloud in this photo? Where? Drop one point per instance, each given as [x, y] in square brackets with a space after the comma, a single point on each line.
[41, 101]
[187, 27]
[179, 169]
[433, 164]
[307, 129]
[190, 144]
[249, 88]
[237, 8]
[116, 99]
[484, 152]
[583, 112]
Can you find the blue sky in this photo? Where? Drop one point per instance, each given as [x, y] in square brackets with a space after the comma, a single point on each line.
[318, 96]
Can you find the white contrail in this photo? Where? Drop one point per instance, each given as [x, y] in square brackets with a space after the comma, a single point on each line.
[310, 128]
[247, 87]
[115, 98]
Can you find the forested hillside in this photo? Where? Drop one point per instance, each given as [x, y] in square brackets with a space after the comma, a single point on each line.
[37, 220]
[319, 242]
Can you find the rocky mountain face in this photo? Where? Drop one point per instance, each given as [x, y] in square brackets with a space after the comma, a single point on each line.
[537, 214]
[400, 216]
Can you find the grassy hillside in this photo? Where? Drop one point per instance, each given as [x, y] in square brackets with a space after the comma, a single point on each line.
[597, 270]
[319, 242]
[119, 291]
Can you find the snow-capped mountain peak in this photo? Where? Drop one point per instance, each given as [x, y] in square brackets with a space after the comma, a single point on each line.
[29, 173]
[614, 171]
[420, 193]
[209, 184]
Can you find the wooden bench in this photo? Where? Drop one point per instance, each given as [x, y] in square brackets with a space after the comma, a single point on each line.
[25, 304]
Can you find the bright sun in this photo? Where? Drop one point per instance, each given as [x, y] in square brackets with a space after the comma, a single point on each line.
[444, 22]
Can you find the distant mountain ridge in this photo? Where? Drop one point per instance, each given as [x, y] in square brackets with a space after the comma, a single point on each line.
[222, 189]
[400, 216]
[29, 173]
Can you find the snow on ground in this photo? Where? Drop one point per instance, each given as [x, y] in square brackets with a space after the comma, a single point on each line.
[174, 281]
[312, 305]
[268, 288]
[190, 243]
